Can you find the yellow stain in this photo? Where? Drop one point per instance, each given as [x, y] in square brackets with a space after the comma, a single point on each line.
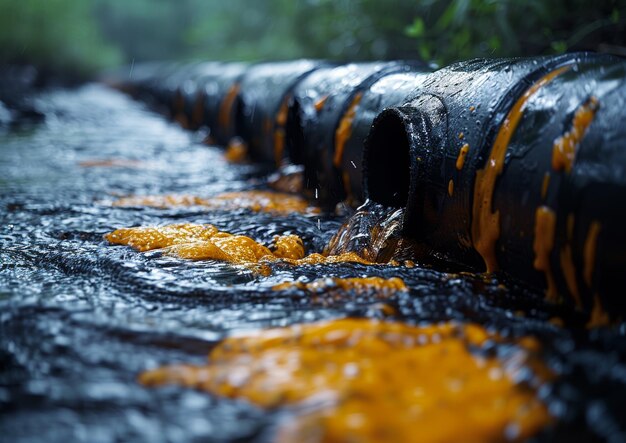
[379, 285]
[371, 381]
[111, 163]
[206, 242]
[257, 201]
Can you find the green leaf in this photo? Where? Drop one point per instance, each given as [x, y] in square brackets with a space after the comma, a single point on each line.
[425, 51]
[559, 46]
[416, 29]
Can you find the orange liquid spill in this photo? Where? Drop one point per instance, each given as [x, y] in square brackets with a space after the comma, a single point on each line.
[370, 381]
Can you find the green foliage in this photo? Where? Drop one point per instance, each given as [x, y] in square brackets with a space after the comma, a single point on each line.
[147, 29]
[94, 33]
[245, 30]
[57, 34]
[355, 30]
[449, 30]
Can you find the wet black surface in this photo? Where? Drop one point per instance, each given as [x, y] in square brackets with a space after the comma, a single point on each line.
[80, 319]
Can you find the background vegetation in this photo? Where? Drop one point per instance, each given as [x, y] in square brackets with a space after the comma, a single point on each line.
[84, 35]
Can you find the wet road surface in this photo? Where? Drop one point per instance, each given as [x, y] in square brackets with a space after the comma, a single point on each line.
[81, 319]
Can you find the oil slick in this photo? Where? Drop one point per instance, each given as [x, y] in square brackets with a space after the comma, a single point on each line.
[362, 285]
[206, 242]
[373, 235]
[111, 163]
[257, 201]
[365, 380]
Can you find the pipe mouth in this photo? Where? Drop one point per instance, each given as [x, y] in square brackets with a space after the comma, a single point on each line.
[386, 162]
[294, 133]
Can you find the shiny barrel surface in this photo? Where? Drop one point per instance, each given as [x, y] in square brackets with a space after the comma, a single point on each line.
[480, 184]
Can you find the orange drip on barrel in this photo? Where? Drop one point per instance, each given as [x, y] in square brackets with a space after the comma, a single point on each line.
[485, 223]
[598, 316]
[279, 131]
[344, 130]
[589, 257]
[567, 263]
[460, 160]
[545, 223]
[319, 104]
[565, 147]
[227, 105]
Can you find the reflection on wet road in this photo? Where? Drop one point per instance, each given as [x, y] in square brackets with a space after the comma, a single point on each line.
[80, 319]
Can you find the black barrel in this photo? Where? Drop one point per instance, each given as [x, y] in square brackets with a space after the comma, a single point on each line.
[143, 81]
[261, 106]
[476, 160]
[216, 106]
[189, 97]
[390, 90]
[168, 91]
[158, 89]
[134, 78]
[319, 104]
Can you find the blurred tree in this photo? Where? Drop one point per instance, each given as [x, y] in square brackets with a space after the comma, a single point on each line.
[246, 30]
[73, 33]
[449, 30]
[355, 30]
[147, 29]
[56, 34]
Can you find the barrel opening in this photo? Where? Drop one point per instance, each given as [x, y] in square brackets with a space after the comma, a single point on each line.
[387, 161]
[294, 133]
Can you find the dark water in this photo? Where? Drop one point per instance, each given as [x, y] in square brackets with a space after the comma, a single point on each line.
[80, 319]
